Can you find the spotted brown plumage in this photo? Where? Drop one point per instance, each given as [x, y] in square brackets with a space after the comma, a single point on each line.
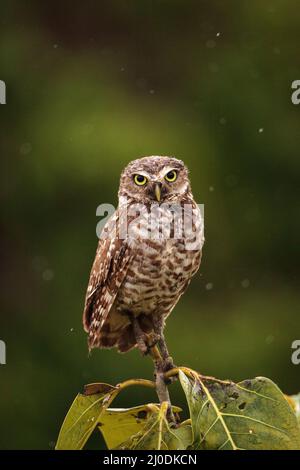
[137, 277]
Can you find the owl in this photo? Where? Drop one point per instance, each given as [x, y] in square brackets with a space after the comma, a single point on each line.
[148, 252]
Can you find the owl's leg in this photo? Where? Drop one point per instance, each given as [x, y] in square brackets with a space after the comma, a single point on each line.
[147, 344]
[160, 382]
[144, 341]
[159, 325]
[140, 336]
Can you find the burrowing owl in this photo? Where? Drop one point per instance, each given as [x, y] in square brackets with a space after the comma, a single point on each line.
[139, 275]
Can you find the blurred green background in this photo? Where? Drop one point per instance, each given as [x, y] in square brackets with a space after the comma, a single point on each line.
[92, 85]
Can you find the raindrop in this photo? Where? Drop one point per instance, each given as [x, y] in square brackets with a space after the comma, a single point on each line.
[213, 67]
[209, 286]
[270, 339]
[25, 148]
[245, 283]
[48, 275]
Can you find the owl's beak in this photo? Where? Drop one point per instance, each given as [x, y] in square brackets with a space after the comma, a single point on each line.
[157, 191]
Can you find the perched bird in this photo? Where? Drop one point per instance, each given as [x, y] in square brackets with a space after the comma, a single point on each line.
[139, 275]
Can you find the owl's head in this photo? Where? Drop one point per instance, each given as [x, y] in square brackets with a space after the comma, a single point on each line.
[154, 179]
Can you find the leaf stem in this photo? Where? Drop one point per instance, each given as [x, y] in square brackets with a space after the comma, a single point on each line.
[192, 374]
[132, 382]
[174, 372]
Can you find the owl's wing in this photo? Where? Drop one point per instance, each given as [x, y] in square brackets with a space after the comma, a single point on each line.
[108, 272]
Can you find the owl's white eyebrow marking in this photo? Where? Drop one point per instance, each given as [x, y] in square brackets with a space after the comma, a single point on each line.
[166, 170]
[143, 173]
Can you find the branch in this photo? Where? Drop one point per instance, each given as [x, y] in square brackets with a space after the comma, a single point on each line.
[160, 382]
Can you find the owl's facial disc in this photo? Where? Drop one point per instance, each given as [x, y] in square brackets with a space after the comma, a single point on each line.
[155, 179]
[165, 185]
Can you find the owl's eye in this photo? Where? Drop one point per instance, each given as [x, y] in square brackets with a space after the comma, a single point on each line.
[171, 176]
[140, 180]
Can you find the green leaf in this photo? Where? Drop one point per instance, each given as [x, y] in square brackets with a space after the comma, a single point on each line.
[83, 416]
[117, 425]
[185, 434]
[252, 414]
[157, 433]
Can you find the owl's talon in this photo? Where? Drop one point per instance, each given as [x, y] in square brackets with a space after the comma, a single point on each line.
[153, 339]
[147, 342]
[143, 347]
